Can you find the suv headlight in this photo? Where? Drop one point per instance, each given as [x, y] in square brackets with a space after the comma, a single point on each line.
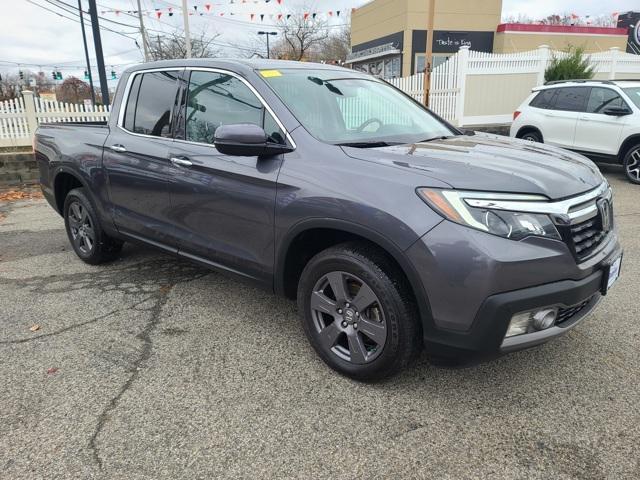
[474, 209]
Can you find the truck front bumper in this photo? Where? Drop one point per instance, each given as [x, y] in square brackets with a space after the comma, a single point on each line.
[471, 304]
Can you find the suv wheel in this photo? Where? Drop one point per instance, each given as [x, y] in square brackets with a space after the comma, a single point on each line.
[631, 164]
[87, 238]
[358, 313]
[532, 136]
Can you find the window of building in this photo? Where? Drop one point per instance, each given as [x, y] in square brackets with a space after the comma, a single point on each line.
[602, 98]
[216, 99]
[153, 95]
[388, 67]
[571, 99]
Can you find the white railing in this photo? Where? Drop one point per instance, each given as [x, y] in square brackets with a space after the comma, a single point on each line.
[474, 88]
[20, 117]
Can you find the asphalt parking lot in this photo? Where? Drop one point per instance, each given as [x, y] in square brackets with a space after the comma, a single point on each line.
[151, 367]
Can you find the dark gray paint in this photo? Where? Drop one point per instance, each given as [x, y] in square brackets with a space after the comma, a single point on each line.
[240, 214]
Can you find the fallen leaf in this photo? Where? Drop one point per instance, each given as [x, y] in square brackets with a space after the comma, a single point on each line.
[34, 328]
[52, 370]
[13, 195]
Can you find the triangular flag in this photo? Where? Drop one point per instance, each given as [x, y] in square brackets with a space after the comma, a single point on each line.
[279, 2]
[195, 7]
[262, 17]
[158, 14]
[305, 16]
[288, 16]
[279, 16]
[117, 12]
[207, 6]
[331, 13]
[252, 15]
[313, 15]
[338, 13]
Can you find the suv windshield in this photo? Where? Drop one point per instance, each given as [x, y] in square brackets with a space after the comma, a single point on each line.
[634, 94]
[344, 108]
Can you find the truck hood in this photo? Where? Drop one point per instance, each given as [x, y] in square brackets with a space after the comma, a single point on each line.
[492, 163]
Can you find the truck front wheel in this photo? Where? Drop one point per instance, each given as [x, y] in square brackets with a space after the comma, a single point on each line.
[358, 312]
[87, 238]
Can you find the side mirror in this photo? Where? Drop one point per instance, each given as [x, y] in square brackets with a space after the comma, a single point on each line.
[616, 111]
[246, 140]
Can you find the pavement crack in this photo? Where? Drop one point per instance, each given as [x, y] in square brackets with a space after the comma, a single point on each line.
[147, 348]
[74, 326]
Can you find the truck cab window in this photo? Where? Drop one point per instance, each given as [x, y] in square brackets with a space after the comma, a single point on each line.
[216, 99]
[155, 92]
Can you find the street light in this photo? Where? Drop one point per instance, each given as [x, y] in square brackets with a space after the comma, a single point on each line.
[267, 34]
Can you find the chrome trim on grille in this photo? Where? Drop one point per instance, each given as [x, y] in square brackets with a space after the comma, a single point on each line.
[519, 203]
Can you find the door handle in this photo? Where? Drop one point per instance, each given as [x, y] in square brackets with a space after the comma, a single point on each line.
[118, 148]
[181, 162]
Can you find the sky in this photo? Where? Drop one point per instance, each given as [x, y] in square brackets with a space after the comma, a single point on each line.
[38, 39]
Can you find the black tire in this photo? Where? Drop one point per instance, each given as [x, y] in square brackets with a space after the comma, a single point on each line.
[631, 164]
[532, 136]
[85, 234]
[357, 266]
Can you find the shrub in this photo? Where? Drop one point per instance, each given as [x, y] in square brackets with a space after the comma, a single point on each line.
[570, 67]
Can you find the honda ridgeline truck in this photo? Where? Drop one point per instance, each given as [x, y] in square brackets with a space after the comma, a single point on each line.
[395, 231]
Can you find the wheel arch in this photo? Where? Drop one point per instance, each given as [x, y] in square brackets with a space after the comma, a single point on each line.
[528, 128]
[64, 181]
[309, 237]
[628, 143]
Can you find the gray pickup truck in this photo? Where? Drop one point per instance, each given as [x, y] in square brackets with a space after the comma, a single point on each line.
[394, 230]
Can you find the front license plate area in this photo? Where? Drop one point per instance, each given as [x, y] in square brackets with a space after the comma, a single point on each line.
[611, 274]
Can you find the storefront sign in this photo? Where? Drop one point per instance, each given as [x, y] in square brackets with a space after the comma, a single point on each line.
[377, 50]
[450, 41]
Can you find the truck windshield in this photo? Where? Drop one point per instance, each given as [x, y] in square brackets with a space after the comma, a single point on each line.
[348, 109]
[634, 94]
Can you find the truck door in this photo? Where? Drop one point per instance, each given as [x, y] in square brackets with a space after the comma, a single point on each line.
[136, 157]
[223, 206]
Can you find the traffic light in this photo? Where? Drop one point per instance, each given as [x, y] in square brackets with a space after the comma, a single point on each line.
[59, 75]
[113, 75]
[54, 75]
[86, 75]
[21, 74]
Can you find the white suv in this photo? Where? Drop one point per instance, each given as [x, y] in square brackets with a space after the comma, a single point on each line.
[600, 119]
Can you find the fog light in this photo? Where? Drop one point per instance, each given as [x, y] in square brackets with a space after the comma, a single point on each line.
[526, 322]
[519, 324]
[543, 319]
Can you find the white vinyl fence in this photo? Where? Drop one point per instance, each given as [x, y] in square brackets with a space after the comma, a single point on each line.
[476, 88]
[20, 117]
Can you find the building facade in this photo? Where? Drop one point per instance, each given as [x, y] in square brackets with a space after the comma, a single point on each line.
[388, 37]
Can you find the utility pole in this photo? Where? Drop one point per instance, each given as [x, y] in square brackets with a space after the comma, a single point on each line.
[145, 44]
[428, 56]
[187, 35]
[268, 34]
[95, 26]
[86, 53]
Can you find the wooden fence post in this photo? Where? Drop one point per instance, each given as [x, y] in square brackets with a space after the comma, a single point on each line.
[544, 55]
[463, 62]
[30, 112]
[613, 51]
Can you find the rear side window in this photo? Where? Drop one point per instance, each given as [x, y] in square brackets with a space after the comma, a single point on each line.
[154, 95]
[602, 98]
[545, 98]
[571, 99]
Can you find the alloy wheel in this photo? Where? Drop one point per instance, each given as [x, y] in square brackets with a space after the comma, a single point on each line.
[348, 317]
[81, 227]
[633, 165]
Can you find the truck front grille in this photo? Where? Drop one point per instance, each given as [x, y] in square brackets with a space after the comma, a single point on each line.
[587, 236]
[568, 313]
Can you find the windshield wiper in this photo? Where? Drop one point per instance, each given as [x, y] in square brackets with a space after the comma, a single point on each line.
[439, 137]
[372, 144]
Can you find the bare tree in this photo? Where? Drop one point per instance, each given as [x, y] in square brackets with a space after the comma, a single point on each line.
[172, 45]
[73, 90]
[336, 46]
[301, 37]
[9, 86]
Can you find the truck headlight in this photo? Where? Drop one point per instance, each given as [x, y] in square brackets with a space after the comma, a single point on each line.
[455, 206]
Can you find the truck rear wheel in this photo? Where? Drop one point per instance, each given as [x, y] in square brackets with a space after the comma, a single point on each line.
[87, 238]
[358, 312]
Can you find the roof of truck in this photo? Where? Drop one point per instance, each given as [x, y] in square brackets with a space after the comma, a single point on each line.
[248, 63]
